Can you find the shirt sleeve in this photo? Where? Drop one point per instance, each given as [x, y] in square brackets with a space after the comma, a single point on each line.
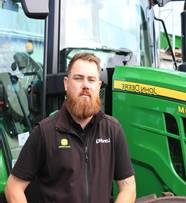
[123, 165]
[31, 157]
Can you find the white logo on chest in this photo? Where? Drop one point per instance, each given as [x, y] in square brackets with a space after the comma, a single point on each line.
[102, 141]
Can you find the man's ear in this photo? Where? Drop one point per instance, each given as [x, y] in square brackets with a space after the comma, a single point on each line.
[65, 82]
[100, 83]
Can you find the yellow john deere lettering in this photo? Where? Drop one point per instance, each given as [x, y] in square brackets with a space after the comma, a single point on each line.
[182, 109]
[149, 89]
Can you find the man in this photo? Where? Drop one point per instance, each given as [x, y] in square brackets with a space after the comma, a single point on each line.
[77, 153]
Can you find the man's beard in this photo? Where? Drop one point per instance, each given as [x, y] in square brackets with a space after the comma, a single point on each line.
[82, 107]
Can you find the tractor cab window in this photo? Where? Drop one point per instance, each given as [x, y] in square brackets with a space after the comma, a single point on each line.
[21, 58]
[105, 24]
[21, 49]
[19, 34]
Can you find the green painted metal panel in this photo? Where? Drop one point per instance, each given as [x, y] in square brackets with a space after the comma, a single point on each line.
[160, 77]
[151, 106]
[3, 172]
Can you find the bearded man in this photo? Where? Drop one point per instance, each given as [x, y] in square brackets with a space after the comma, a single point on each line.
[76, 154]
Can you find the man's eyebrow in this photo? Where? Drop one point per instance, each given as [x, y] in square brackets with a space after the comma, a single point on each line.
[91, 76]
[79, 75]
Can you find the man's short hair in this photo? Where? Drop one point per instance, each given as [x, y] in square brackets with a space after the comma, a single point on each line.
[86, 57]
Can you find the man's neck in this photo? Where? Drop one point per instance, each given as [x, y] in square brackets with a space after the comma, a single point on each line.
[82, 122]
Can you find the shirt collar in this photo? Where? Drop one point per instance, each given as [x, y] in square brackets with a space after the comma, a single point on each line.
[65, 122]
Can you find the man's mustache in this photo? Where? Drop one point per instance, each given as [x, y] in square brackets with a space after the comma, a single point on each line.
[85, 93]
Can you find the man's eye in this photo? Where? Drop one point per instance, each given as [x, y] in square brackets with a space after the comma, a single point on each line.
[78, 78]
[92, 79]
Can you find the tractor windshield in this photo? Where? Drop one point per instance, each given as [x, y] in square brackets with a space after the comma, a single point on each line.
[106, 24]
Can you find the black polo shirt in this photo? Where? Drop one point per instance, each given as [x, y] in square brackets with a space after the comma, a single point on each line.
[75, 165]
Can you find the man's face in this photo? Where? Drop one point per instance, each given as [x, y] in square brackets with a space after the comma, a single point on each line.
[82, 87]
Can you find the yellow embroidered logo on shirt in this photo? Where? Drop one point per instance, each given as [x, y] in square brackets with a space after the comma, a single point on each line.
[64, 143]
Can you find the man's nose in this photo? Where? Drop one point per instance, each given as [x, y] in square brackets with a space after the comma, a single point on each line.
[86, 83]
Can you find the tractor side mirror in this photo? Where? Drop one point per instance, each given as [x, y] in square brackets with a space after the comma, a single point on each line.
[36, 9]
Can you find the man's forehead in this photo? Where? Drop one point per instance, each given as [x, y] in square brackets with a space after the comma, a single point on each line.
[81, 67]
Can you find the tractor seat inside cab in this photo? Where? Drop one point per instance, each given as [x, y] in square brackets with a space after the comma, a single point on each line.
[30, 70]
[14, 97]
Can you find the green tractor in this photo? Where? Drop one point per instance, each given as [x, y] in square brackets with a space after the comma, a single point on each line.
[149, 102]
